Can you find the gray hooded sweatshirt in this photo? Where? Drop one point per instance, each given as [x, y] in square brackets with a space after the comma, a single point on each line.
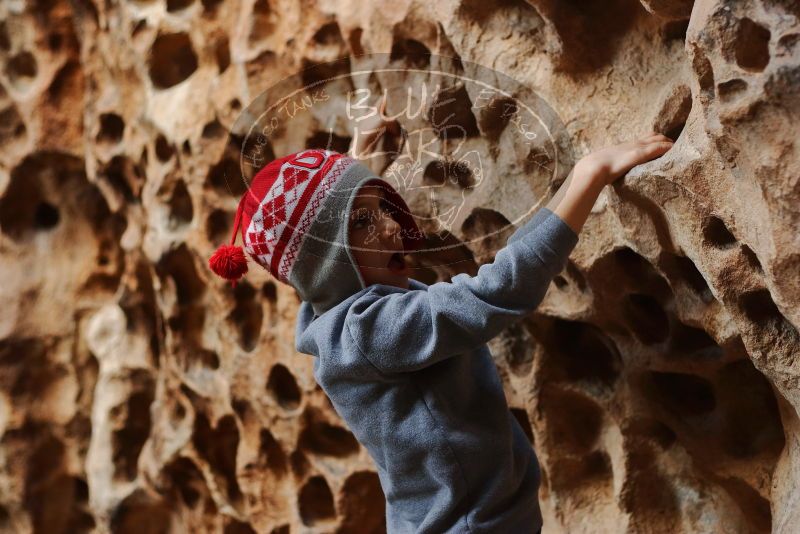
[410, 373]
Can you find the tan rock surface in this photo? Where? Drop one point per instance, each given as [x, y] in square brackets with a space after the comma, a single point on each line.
[138, 393]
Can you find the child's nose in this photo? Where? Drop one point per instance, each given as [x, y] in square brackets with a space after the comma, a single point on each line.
[390, 230]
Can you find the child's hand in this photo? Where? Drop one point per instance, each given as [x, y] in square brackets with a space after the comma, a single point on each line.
[607, 164]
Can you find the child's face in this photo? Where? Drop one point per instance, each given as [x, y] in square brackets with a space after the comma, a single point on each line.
[375, 236]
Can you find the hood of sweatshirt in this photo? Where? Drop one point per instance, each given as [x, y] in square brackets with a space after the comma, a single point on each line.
[326, 272]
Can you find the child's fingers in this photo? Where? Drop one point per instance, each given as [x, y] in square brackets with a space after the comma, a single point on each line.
[641, 154]
[652, 150]
[653, 138]
[657, 137]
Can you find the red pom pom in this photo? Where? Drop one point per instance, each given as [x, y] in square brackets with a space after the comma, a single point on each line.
[229, 262]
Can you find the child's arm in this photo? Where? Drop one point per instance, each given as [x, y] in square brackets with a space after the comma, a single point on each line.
[601, 168]
[542, 212]
[400, 332]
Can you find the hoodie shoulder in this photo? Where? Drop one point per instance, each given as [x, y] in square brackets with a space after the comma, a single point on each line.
[315, 332]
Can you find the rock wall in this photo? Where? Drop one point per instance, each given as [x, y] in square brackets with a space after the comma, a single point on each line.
[659, 379]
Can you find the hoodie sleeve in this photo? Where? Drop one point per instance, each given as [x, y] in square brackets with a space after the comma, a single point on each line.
[402, 332]
[538, 217]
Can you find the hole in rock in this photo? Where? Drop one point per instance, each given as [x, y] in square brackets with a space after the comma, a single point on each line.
[125, 177]
[355, 41]
[759, 307]
[751, 45]
[329, 141]
[11, 125]
[54, 508]
[328, 34]
[730, 89]
[362, 504]
[181, 212]
[575, 274]
[652, 429]
[5, 41]
[21, 69]
[210, 6]
[487, 231]
[263, 18]
[213, 129]
[172, 60]
[247, 315]
[44, 461]
[560, 282]
[569, 473]
[451, 114]
[204, 358]
[684, 270]
[127, 442]
[647, 492]
[482, 221]
[590, 32]
[226, 178]
[455, 173]
[283, 387]
[752, 259]
[316, 75]
[788, 43]
[299, 463]
[495, 116]
[679, 394]
[25, 209]
[187, 325]
[584, 353]
[164, 150]
[751, 420]
[243, 410]
[219, 226]
[674, 112]
[179, 265]
[177, 5]
[218, 447]
[238, 527]
[755, 508]
[269, 291]
[46, 216]
[271, 452]
[186, 481]
[688, 340]
[111, 128]
[640, 273]
[324, 438]
[717, 234]
[704, 72]
[674, 31]
[574, 421]
[646, 318]
[141, 513]
[315, 501]
[222, 53]
[412, 52]
[138, 28]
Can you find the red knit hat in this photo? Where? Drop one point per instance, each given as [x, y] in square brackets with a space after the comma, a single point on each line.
[280, 205]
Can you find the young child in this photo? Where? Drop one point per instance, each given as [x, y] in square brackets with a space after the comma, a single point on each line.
[406, 364]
